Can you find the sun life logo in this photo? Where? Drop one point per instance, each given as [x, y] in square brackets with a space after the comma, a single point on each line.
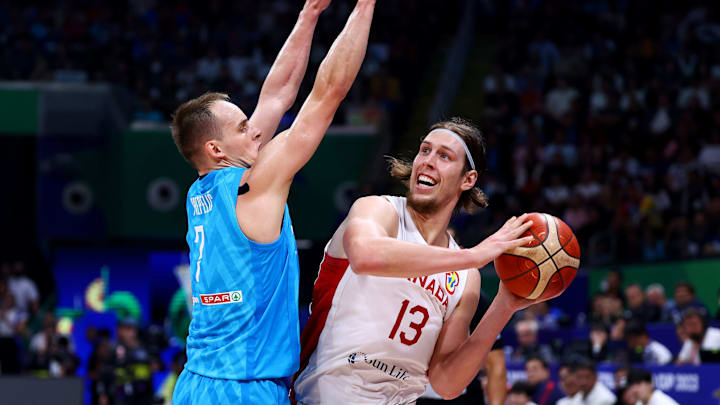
[451, 281]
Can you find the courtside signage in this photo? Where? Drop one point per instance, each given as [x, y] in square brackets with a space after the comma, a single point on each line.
[230, 297]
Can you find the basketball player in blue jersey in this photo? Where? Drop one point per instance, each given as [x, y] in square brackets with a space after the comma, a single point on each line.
[244, 335]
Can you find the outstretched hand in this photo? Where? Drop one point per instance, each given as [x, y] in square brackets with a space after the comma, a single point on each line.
[317, 5]
[506, 238]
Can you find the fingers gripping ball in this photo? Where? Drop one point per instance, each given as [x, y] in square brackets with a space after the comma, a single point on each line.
[545, 267]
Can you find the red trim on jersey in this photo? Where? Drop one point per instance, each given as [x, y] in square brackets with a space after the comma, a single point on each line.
[331, 272]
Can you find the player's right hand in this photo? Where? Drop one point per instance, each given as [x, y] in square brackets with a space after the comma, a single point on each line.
[317, 5]
[506, 238]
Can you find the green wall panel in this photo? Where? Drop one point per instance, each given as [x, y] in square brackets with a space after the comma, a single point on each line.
[322, 190]
[704, 274]
[19, 112]
[144, 164]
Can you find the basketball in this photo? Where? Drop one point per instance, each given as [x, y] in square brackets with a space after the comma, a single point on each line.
[545, 267]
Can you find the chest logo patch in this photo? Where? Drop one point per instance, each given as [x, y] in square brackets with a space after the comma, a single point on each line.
[452, 279]
[229, 297]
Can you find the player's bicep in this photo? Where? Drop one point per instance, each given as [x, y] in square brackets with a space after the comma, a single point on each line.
[370, 217]
[267, 116]
[457, 328]
[282, 157]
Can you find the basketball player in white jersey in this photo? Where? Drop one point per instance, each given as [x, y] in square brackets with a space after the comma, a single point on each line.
[395, 295]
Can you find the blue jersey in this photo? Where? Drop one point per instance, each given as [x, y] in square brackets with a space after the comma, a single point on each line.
[245, 294]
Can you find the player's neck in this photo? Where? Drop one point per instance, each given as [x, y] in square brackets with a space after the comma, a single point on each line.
[433, 226]
[222, 164]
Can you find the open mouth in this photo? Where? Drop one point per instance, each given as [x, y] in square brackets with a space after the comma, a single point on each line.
[425, 181]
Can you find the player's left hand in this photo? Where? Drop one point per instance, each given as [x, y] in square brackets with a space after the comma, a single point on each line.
[514, 302]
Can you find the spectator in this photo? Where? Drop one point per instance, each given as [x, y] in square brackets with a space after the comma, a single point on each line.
[638, 308]
[101, 367]
[602, 348]
[641, 389]
[548, 317]
[701, 339]
[520, 394]
[526, 331]
[132, 365]
[27, 298]
[611, 284]
[606, 309]
[620, 377]
[560, 99]
[11, 324]
[642, 348]
[568, 384]
[43, 344]
[655, 294]
[592, 391]
[545, 391]
[685, 299]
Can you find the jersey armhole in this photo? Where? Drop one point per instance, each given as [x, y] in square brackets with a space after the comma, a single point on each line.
[241, 190]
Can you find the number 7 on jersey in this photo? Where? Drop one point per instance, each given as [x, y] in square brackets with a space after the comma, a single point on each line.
[199, 237]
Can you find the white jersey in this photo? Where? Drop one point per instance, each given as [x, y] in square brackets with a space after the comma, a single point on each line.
[369, 339]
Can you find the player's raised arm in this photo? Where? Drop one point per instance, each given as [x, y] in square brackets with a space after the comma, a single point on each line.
[260, 209]
[369, 242]
[288, 152]
[282, 83]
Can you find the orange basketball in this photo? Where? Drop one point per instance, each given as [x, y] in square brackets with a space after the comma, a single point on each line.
[545, 267]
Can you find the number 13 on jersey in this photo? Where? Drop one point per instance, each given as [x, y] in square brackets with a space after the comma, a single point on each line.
[417, 326]
[199, 238]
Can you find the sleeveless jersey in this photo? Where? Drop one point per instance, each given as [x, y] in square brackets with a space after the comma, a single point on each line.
[370, 339]
[244, 316]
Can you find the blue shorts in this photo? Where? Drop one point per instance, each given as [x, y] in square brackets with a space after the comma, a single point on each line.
[195, 389]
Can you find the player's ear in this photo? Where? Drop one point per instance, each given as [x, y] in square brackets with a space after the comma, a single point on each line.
[469, 179]
[213, 149]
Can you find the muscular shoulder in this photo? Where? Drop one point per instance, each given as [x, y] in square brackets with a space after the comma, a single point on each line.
[372, 213]
[373, 202]
[378, 210]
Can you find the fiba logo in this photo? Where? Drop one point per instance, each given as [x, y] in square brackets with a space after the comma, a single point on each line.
[451, 282]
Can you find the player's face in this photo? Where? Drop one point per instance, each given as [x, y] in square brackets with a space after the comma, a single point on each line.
[240, 141]
[437, 175]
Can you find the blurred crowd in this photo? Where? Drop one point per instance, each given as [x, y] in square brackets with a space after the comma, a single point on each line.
[625, 329]
[607, 115]
[123, 362]
[163, 53]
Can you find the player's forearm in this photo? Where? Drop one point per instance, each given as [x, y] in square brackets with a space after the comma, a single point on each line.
[451, 375]
[497, 379]
[334, 79]
[390, 257]
[342, 63]
[283, 82]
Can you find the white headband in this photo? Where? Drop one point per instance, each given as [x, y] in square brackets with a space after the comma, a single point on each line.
[456, 136]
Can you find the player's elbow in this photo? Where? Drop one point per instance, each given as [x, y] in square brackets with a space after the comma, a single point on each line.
[362, 260]
[330, 92]
[446, 392]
